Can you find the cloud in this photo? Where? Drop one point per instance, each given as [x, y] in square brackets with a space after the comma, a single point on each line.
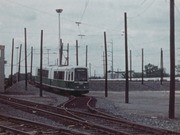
[11, 12]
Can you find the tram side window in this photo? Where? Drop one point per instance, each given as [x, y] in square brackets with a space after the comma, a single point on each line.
[58, 75]
[72, 76]
[69, 76]
[44, 73]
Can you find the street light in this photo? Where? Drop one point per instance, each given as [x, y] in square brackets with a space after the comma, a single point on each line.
[59, 11]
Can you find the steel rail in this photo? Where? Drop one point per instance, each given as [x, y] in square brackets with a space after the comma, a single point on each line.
[33, 124]
[14, 130]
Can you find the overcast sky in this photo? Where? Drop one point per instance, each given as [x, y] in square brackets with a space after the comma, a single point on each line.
[148, 28]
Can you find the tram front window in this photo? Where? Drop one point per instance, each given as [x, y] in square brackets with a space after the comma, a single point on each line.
[80, 74]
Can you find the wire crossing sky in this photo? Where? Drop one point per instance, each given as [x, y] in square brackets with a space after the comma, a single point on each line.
[147, 22]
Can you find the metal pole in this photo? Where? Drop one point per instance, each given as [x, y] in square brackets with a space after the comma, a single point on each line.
[25, 35]
[19, 63]
[142, 66]
[31, 61]
[105, 47]
[41, 63]
[60, 52]
[126, 61]
[86, 55]
[130, 66]
[60, 62]
[59, 11]
[112, 68]
[48, 55]
[68, 54]
[104, 65]
[77, 52]
[89, 70]
[172, 63]
[12, 57]
[25, 58]
[162, 68]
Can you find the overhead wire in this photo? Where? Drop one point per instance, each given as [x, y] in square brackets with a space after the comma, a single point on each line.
[86, 5]
[143, 2]
[67, 19]
[177, 9]
[143, 11]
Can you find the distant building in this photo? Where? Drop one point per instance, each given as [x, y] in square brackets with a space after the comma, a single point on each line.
[119, 74]
[2, 62]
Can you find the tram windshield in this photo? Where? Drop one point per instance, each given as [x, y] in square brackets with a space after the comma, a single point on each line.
[81, 74]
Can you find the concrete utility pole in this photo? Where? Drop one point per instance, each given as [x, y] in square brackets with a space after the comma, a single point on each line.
[25, 58]
[172, 63]
[12, 57]
[126, 60]
[106, 64]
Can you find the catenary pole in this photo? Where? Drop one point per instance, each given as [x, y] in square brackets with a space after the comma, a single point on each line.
[31, 61]
[19, 69]
[77, 52]
[41, 63]
[89, 70]
[12, 57]
[162, 68]
[130, 65]
[61, 52]
[25, 37]
[86, 55]
[142, 81]
[172, 63]
[105, 47]
[68, 54]
[126, 60]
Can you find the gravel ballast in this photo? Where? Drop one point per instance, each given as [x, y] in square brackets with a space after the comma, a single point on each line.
[147, 108]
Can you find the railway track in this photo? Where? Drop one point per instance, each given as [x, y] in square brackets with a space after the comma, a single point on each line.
[13, 126]
[108, 120]
[59, 115]
[93, 122]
